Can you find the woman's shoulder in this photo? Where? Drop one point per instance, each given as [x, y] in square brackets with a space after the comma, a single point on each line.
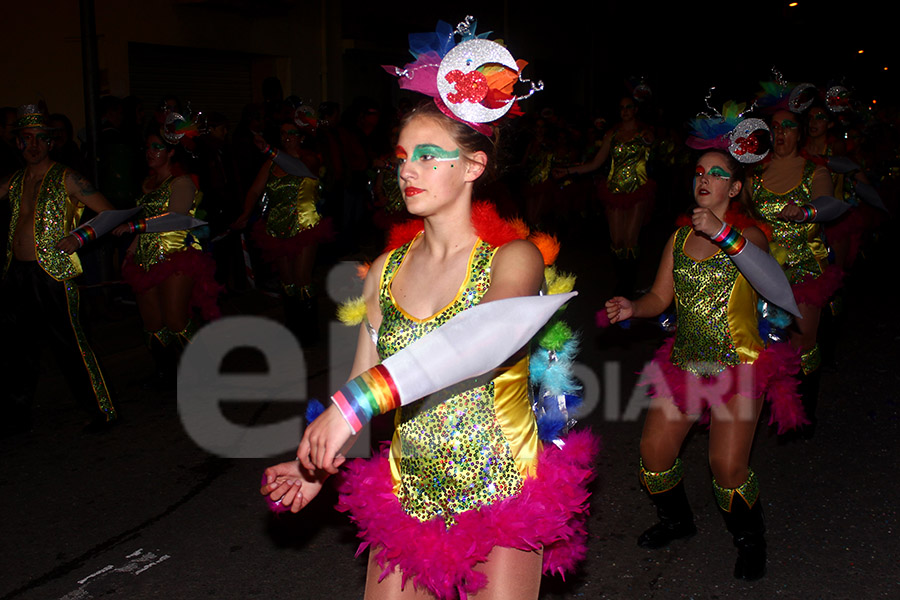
[182, 180]
[519, 257]
[516, 270]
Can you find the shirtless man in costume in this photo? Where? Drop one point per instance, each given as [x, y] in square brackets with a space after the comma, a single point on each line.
[39, 297]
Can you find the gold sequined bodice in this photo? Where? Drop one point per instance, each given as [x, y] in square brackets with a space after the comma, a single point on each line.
[466, 446]
[292, 204]
[803, 243]
[628, 170]
[717, 324]
[154, 248]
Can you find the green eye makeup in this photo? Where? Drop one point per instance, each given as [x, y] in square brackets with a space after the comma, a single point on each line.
[719, 173]
[786, 124]
[434, 153]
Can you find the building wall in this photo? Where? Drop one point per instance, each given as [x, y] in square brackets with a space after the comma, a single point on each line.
[41, 45]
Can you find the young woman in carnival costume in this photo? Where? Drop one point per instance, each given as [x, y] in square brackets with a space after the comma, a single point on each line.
[844, 234]
[165, 264]
[289, 234]
[719, 366]
[851, 185]
[467, 498]
[627, 192]
[793, 195]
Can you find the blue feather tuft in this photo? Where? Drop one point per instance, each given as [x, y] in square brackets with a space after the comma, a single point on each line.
[313, 410]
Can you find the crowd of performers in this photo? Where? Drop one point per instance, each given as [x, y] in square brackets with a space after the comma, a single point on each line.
[485, 483]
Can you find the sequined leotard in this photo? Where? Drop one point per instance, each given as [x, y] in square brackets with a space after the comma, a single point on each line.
[717, 325]
[473, 448]
[292, 223]
[628, 170]
[154, 248]
[806, 250]
[292, 204]
[718, 336]
[158, 256]
[465, 471]
[627, 183]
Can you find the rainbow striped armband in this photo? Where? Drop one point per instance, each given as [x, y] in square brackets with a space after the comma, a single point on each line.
[138, 226]
[729, 240]
[363, 397]
[84, 234]
[809, 213]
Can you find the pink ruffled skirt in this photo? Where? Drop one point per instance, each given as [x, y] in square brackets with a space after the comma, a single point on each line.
[197, 265]
[273, 248]
[625, 201]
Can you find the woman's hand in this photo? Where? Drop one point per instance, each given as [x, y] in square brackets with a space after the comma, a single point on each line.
[619, 309]
[121, 230]
[292, 485]
[324, 441]
[559, 172]
[68, 244]
[706, 222]
[791, 212]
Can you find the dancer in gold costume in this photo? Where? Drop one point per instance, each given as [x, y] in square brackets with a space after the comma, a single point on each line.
[468, 498]
[292, 228]
[168, 271]
[717, 366]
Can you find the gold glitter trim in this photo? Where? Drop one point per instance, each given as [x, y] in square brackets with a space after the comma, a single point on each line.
[459, 291]
[749, 491]
[101, 393]
[811, 360]
[662, 481]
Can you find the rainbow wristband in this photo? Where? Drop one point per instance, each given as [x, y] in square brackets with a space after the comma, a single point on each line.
[809, 213]
[270, 152]
[729, 240]
[138, 226]
[84, 234]
[370, 394]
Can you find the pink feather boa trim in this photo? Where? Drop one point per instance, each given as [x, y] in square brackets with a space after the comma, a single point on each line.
[773, 374]
[817, 291]
[548, 513]
[195, 264]
[273, 248]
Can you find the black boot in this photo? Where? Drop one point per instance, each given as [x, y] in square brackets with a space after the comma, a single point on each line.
[742, 511]
[676, 521]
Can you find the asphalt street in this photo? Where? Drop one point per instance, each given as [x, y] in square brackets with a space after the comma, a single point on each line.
[142, 511]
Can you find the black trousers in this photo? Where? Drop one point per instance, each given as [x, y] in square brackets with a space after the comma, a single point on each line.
[38, 312]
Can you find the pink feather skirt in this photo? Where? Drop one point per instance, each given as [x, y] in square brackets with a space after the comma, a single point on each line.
[773, 374]
[549, 513]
